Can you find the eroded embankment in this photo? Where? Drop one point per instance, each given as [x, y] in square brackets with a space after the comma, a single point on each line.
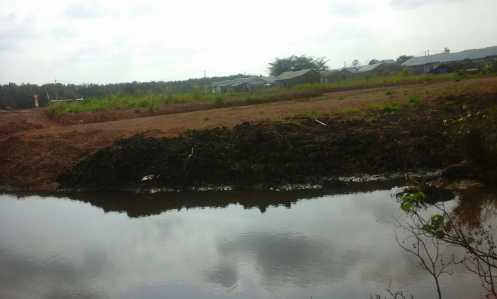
[260, 155]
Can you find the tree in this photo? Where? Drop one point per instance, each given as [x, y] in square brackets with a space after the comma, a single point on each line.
[297, 63]
[403, 58]
[441, 225]
[20, 96]
[373, 61]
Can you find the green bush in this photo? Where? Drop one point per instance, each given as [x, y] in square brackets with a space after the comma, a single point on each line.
[414, 100]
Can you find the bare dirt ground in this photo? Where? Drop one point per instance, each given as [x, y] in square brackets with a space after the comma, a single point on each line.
[35, 149]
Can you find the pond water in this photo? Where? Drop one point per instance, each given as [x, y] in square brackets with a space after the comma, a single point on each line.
[210, 245]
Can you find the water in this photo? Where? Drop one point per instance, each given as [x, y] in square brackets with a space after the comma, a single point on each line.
[210, 245]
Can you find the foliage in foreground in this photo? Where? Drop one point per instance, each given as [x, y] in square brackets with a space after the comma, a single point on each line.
[476, 131]
[431, 229]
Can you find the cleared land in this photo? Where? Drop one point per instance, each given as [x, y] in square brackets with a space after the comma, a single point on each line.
[132, 106]
[36, 149]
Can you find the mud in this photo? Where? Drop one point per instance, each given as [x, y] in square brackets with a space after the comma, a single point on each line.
[266, 154]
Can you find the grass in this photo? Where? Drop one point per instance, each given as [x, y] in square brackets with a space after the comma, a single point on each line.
[153, 102]
[351, 110]
[311, 115]
[378, 81]
[394, 106]
[385, 107]
[414, 100]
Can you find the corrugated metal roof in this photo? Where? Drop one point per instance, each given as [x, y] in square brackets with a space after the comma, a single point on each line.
[239, 81]
[292, 74]
[452, 57]
[366, 68]
[269, 79]
[329, 72]
[372, 67]
[250, 80]
[222, 83]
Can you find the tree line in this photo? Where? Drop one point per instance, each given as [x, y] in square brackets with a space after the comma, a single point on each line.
[19, 96]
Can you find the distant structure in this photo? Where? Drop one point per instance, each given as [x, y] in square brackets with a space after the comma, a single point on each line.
[36, 103]
[67, 100]
[292, 78]
[449, 62]
[242, 84]
[384, 67]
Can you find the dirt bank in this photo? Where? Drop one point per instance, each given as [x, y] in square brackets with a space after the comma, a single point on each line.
[298, 151]
[36, 150]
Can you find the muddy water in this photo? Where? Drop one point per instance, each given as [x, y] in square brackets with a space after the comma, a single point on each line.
[230, 245]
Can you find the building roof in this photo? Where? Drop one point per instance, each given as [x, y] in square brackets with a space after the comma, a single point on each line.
[451, 57]
[367, 68]
[239, 81]
[372, 67]
[361, 68]
[328, 72]
[292, 74]
[269, 79]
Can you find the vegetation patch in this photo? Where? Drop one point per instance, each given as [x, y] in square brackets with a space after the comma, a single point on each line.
[152, 103]
[476, 129]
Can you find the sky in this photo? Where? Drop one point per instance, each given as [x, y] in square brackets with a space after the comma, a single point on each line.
[111, 41]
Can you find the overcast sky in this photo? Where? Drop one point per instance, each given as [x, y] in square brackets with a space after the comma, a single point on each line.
[122, 40]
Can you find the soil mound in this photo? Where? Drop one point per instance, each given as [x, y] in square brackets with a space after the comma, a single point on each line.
[268, 154]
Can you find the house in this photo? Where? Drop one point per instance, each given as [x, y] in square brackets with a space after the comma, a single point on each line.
[449, 62]
[384, 67]
[241, 84]
[335, 75]
[292, 78]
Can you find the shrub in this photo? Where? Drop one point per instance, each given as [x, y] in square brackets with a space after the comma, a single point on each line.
[414, 100]
[219, 101]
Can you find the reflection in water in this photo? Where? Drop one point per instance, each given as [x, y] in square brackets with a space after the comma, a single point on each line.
[289, 259]
[261, 245]
[60, 277]
[478, 205]
[225, 274]
[133, 204]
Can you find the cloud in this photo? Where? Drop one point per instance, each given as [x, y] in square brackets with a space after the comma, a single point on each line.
[225, 275]
[349, 8]
[114, 41]
[411, 4]
[57, 278]
[85, 10]
[14, 31]
[285, 258]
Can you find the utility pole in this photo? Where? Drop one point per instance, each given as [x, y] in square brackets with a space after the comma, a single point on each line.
[56, 93]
